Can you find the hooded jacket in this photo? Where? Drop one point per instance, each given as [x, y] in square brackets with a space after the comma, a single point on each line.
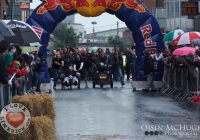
[2, 70]
[148, 65]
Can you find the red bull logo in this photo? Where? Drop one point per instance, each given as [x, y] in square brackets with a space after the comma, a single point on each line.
[66, 5]
[89, 7]
[146, 32]
[116, 4]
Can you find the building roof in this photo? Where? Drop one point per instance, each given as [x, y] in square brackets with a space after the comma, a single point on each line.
[110, 30]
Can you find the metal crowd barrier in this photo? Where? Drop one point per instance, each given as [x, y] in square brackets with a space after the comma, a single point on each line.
[182, 83]
[5, 95]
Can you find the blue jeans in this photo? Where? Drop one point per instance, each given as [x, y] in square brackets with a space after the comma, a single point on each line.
[36, 80]
[56, 76]
[119, 71]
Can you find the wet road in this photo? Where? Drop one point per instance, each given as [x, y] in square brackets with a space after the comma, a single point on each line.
[120, 113]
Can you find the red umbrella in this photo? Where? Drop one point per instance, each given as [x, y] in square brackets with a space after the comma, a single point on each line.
[184, 51]
[186, 38]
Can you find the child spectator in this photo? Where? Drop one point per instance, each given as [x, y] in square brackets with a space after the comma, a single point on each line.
[11, 70]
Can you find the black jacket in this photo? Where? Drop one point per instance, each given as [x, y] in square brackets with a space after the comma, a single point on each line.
[148, 65]
[38, 65]
[2, 70]
[68, 61]
[117, 62]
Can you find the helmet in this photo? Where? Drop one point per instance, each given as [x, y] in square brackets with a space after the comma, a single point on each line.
[101, 64]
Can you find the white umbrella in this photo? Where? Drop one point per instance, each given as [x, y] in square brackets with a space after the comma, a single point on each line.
[186, 38]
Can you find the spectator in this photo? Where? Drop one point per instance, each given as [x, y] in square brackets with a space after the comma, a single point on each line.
[17, 53]
[9, 56]
[20, 73]
[149, 71]
[129, 61]
[56, 66]
[78, 68]
[37, 65]
[68, 61]
[3, 52]
[117, 62]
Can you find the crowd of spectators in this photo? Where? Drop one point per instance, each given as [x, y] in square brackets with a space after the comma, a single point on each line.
[83, 61]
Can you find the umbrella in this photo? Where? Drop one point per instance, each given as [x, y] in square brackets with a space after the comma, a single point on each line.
[24, 33]
[173, 35]
[196, 41]
[93, 49]
[184, 51]
[5, 31]
[186, 38]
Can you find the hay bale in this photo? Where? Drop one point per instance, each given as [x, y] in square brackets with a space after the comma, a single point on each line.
[38, 104]
[41, 128]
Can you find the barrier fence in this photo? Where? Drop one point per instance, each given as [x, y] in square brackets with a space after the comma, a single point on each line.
[5, 95]
[182, 83]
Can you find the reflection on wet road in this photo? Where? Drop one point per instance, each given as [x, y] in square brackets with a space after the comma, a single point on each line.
[120, 113]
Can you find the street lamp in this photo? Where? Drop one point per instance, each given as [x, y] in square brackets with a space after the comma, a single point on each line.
[94, 22]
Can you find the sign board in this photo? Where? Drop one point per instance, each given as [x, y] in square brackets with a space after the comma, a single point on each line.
[24, 6]
[22, 1]
[189, 8]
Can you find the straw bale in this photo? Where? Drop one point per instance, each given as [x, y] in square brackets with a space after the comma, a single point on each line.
[38, 104]
[41, 128]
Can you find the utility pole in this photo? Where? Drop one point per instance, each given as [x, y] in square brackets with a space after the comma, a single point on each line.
[12, 9]
[117, 28]
[94, 22]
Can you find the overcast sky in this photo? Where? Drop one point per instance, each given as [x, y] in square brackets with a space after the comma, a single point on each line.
[104, 21]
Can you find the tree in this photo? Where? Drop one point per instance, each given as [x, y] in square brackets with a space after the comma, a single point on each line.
[117, 41]
[64, 36]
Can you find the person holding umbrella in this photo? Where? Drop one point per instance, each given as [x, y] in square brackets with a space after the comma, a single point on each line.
[3, 52]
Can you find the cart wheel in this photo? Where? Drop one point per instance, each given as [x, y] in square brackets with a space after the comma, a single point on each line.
[111, 84]
[62, 86]
[70, 84]
[101, 85]
[78, 84]
[93, 84]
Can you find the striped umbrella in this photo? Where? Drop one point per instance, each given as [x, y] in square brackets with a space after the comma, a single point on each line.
[173, 34]
[186, 38]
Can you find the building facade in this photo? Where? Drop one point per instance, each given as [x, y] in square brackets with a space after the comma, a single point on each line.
[69, 19]
[170, 16]
[102, 36]
[2, 9]
[17, 11]
[150, 4]
[79, 30]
